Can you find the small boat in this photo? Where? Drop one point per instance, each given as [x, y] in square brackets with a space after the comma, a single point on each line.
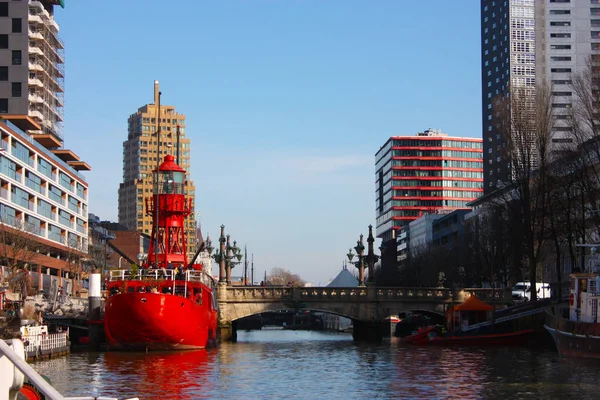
[575, 327]
[463, 328]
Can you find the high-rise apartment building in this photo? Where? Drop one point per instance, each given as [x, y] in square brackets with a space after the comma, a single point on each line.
[142, 154]
[423, 174]
[32, 65]
[508, 60]
[43, 195]
[525, 42]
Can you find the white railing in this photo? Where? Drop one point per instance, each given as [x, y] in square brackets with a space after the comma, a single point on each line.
[17, 360]
[41, 343]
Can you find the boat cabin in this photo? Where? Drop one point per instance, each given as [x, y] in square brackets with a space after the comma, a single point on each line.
[584, 298]
[463, 316]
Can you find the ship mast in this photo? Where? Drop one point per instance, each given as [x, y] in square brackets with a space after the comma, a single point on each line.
[168, 207]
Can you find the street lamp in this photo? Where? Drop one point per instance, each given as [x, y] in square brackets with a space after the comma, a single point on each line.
[360, 264]
[228, 256]
[350, 256]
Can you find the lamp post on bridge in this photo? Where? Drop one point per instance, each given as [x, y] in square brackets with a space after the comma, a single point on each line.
[372, 258]
[228, 256]
[360, 264]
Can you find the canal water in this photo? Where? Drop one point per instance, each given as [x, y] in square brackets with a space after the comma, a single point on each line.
[277, 364]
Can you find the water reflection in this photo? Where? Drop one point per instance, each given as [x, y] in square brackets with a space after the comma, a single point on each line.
[310, 365]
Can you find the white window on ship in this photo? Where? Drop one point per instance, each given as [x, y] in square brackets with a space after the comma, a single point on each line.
[594, 287]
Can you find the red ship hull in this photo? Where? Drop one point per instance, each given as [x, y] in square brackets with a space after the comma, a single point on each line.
[157, 321]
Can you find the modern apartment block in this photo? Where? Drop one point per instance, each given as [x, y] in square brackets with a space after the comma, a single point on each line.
[32, 65]
[508, 60]
[529, 41]
[142, 154]
[569, 36]
[42, 196]
[427, 173]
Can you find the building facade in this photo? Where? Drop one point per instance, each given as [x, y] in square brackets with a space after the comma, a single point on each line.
[43, 195]
[32, 65]
[525, 42]
[43, 201]
[427, 173]
[142, 154]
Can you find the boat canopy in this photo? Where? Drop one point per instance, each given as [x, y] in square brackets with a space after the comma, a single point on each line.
[473, 304]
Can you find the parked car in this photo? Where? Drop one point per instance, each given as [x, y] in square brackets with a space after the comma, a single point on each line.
[522, 291]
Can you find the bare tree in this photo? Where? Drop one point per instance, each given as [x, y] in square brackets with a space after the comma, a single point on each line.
[525, 121]
[490, 247]
[19, 251]
[585, 124]
[282, 277]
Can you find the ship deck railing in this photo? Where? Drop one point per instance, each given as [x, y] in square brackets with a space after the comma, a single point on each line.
[163, 274]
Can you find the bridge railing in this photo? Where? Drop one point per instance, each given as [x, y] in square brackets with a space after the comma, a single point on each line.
[251, 293]
[420, 294]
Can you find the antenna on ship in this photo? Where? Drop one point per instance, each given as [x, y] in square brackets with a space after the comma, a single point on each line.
[157, 95]
[252, 270]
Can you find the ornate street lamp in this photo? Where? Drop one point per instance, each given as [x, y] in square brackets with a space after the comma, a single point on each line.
[360, 250]
[228, 255]
[208, 243]
[219, 256]
[350, 256]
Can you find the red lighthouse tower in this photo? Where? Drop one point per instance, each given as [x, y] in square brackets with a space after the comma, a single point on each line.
[168, 208]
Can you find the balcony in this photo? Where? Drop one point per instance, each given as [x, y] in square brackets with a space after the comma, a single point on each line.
[35, 50]
[34, 98]
[36, 114]
[52, 23]
[35, 67]
[35, 18]
[35, 82]
[36, 35]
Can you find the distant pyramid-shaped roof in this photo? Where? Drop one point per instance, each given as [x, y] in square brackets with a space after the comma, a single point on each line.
[344, 279]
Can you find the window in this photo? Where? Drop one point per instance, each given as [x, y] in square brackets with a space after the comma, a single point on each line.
[560, 23]
[16, 25]
[560, 35]
[595, 23]
[3, 41]
[560, 58]
[560, 12]
[17, 58]
[65, 180]
[562, 94]
[3, 73]
[595, 11]
[16, 89]
[45, 167]
[560, 1]
[560, 46]
[3, 106]
[4, 9]
[560, 70]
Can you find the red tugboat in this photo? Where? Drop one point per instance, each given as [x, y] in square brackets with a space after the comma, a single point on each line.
[166, 304]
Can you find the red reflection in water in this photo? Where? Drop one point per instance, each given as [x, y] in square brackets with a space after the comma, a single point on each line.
[164, 375]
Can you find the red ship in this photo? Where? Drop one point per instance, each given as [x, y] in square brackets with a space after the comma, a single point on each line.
[166, 304]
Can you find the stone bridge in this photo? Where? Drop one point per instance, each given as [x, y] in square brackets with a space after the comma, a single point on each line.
[367, 306]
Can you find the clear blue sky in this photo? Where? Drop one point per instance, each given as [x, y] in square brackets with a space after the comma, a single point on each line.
[287, 102]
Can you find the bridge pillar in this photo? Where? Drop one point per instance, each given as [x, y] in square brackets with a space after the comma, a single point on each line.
[227, 331]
